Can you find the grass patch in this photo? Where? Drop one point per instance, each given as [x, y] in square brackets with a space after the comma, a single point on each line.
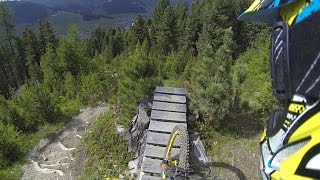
[173, 83]
[108, 151]
[13, 172]
[28, 141]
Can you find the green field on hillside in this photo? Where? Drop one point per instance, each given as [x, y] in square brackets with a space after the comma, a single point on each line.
[63, 20]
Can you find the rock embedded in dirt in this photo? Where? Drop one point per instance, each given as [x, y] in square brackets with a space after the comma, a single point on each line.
[133, 166]
[123, 132]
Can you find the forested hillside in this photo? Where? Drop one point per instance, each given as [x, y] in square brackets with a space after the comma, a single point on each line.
[46, 79]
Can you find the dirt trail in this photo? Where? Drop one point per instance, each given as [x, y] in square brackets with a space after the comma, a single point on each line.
[64, 157]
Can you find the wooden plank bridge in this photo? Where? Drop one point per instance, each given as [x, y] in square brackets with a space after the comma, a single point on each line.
[168, 110]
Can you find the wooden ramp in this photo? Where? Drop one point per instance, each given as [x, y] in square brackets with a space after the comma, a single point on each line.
[168, 110]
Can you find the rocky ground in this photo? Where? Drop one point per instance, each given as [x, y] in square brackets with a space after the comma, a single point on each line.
[63, 157]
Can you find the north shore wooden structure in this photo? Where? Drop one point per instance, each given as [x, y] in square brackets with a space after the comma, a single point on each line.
[168, 110]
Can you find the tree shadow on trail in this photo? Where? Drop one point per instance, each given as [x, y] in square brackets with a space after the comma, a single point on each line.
[233, 169]
[202, 172]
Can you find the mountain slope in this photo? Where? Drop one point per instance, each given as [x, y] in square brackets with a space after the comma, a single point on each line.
[103, 7]
[86, 14]
[28, 12]
[106, 7]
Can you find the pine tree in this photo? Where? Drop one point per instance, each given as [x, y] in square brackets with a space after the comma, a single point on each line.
[36, 106]
[211, 78]
[97, 42]
[165, 31]
[193, 28]
[7, 29]
[116, 43]
[46, 37]
[71, 55]
[70, 87]
[10, 151]
[159, 11]
[137, 79]
[7, 36]
[52, 73]
[139, 29]
[5, 79]
[251, 82]
[32, 54]
[21, 61]
[181, 11]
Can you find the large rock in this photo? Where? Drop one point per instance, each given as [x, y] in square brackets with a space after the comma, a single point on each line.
[197, 152]
[138, 130]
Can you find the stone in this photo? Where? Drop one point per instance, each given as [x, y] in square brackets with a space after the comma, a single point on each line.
[143, 119]
[134, 119]
[197, 153]
[124, 132]
[133, 172]
[133, 164]
[137, 139]
[120, 129]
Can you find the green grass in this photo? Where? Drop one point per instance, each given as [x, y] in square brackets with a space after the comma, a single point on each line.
[173, 83]
[12, 173]
[108, 151]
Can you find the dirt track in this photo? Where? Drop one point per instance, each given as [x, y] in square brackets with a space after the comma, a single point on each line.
[63, 157]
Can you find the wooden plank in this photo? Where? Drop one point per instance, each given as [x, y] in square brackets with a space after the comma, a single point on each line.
[168, 116]
[151, 165]
[169, 98]
[159, 139]
[158, 152]
[171, 90]
[145, 177]
[160, 126]
[169, 107]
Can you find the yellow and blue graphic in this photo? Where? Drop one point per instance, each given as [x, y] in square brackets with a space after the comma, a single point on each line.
[270, 11]
[294, 152]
